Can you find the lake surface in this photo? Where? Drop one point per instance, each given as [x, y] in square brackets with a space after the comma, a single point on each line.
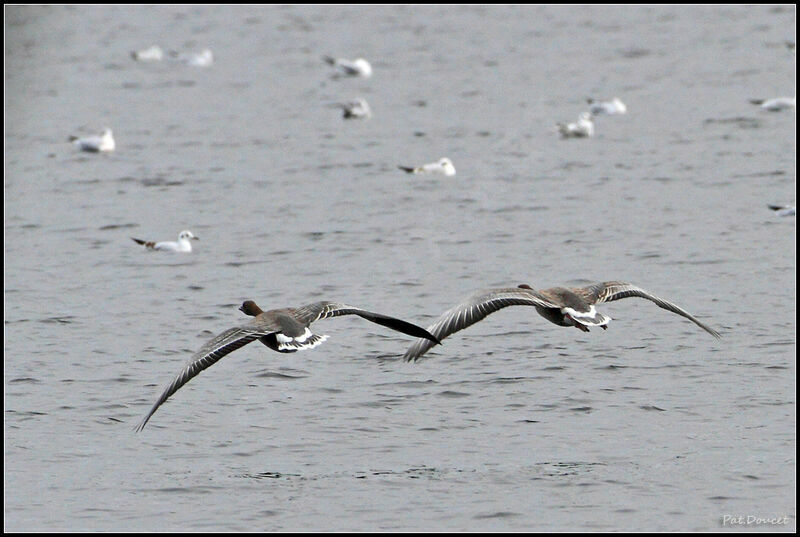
[513, 424]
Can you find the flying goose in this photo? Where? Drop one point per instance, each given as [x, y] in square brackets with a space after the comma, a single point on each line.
[574, 306]
[282, 330]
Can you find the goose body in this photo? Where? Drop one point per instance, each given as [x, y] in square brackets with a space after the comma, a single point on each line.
[563, 306]
[282, 330]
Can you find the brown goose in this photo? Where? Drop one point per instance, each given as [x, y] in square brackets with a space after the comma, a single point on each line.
[282, 330]
[563, 306]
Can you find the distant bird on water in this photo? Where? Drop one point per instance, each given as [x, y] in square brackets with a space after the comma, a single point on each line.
[358, 67]
[775, 105]
[443, 166]
[282, 330]
[612, 107]
[358, 109]
[783, 210]
[583, 128]
[564, 306]
[96, 144]
[183, 244]
[150, 54]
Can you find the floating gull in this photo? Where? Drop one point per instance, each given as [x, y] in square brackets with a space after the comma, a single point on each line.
[95, 144]
[612, 107]
[783, 210]
[358, 109]
[583, 128]
[150, 54]
[775, 105]
[359, 67]
[204, 58]
[443, 166]
[562, 306]
[282, 330]
[183, 244]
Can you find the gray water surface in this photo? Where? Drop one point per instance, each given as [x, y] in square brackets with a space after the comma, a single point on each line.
[513, 424]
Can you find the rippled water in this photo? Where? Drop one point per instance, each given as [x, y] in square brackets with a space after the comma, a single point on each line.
[513, 424]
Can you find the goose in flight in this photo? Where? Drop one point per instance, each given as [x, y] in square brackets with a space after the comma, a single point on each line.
[282, 330]
[573, 306]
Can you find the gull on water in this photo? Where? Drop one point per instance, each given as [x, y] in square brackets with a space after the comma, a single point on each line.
[612, 107]
[282, 330]
[783, 210]
[204, 58]
[563, 306]
[150, 54]
[443, 165]
[775, 105]
[583, 128]
[183, 244]
[358, 109]
[95, 144]
[358, 67]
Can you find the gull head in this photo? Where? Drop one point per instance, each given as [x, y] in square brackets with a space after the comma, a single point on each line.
[187, 235]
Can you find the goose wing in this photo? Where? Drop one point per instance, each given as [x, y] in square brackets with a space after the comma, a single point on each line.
[473, 309]
[323, 310]
[212, 352]
[609, 291]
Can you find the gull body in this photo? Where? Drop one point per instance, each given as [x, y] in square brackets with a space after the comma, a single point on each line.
[442, 166]
[583, 128]
[96, 144]
[358, 67]
[612, 107]
[183, 244]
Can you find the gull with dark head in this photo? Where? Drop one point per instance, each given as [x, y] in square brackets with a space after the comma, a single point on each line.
[282, 330]
[564, 306]
[183, 244]
[443, 166]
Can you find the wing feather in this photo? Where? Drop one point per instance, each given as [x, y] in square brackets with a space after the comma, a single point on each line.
[473, 309]
[610, 291]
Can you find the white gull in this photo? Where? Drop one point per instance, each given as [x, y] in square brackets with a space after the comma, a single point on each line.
[183, 244]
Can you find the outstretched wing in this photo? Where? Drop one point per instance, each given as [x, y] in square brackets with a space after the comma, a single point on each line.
[609, 291]
[212, 352]
[472, 310]
[323, 310]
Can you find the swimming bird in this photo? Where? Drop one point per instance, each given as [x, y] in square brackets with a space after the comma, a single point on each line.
[612, 107]
[150, 54]
[358, 109]
[443, 165]
[775, 105]
[96, 144]
[783, 210]
[564, 306]
[183, 244]
[204, 58]
[358, 67]
[282, 330]
[583, 128]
